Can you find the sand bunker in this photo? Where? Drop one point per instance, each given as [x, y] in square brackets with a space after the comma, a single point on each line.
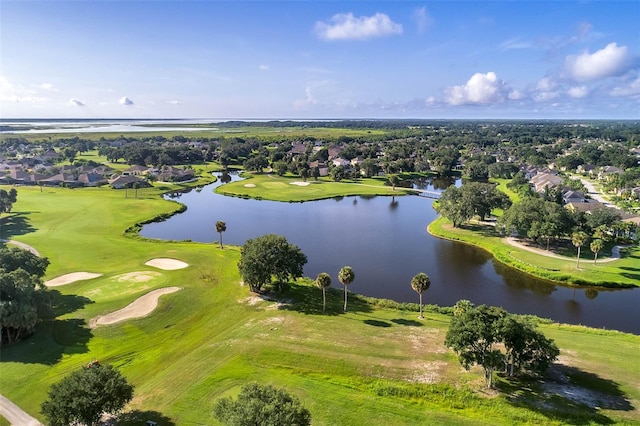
[140, 307]
[71, 278]
[300, 183]
[167, 264]
[249, 185]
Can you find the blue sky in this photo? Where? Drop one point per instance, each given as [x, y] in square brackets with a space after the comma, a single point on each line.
[320, 59]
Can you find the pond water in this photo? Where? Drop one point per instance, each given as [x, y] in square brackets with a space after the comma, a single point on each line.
[385, 241]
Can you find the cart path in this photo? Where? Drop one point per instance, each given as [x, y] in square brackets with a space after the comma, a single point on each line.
[15, 415]
[22, 246]
[615, 251]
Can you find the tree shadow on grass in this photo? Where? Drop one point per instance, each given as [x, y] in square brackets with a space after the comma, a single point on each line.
[568, 395]
[53, 337]
[140, 418]
[411, 323]
[308, 300]
[15, 224]
[51, 340]
[377, 323]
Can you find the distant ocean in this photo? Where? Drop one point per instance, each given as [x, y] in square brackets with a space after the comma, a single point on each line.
[116, 125]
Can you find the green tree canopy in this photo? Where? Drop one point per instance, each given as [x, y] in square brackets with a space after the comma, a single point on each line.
[346, 277]
[23, 298]
[262, 405]
[220, 228]
[7, 198]
[476, 334]
[323, 281]
[270, 256]
[420, 283]
[86, 394]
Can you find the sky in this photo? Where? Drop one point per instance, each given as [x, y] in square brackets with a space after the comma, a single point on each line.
[320, 59]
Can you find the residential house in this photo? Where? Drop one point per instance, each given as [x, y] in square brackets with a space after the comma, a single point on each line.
[122, 181]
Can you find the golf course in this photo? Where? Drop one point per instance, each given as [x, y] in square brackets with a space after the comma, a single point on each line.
[208, 335]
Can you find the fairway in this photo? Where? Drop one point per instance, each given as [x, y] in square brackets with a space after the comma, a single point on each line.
[205, 341]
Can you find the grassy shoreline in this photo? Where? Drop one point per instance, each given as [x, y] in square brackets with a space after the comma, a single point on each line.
[206, 340]
[557, 271]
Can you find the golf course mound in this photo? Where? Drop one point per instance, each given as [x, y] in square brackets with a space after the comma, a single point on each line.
[167, 264]
[71, 278]
[140, 307]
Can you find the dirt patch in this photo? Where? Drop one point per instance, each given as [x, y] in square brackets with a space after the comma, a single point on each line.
[428, 372]
[167, 264]
[71, 278]
[300, 183]
[140, 307]
[137, 277]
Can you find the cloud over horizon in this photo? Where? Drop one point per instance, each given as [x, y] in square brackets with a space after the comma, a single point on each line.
[76, 102]
[612, 60]
[125, 101]
[479, 89]
[345, 26]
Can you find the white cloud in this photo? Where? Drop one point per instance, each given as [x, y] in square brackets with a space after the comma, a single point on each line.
[345, 26]
[308, 101]
[631, 89]
[18, 93]
[264, 67]
[514, 43]
[47, 86]
[578, 92]
[76, 102]
[422, 19]
[515, 95]
[174, 102]
[125, 101]
[480, 89]
[546, 84]
[610, 61]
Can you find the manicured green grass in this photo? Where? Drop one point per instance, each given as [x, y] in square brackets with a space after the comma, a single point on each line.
[625, 271]
[369, 365]
[284, 188]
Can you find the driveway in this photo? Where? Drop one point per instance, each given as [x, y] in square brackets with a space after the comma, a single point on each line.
[15, 415]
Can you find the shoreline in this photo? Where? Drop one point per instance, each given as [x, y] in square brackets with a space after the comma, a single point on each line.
[554, 276]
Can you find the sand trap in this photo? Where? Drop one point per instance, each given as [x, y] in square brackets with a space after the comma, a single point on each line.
[300, 183]
[167, 264]
[70, 278]
[249, 185]
[140, 307]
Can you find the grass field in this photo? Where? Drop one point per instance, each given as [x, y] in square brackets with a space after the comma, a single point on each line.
[291, 188]
[625, 271]
[372, 365]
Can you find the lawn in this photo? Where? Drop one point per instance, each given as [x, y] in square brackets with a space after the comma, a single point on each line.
[371, 365]
[291, 188]
[625, 271]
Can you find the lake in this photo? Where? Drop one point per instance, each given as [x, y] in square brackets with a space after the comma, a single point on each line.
[385, 241]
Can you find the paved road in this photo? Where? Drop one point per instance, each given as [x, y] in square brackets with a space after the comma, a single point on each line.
[15, 415]
[593, 193]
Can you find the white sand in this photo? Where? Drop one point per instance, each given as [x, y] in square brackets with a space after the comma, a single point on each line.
[140, 307]
[70, 278]
[300, 183]
[167, 264]
[249, 185]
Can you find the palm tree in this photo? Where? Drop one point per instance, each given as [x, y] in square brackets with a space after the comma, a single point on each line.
[220, 228]
[579, 238]
[420, 283]
[323, 281]
[596, 246]
[346, 277]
